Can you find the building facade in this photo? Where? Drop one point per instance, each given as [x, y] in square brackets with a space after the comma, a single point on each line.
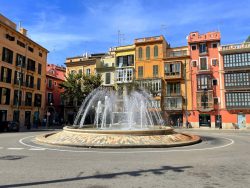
[205, 79]
[149, 66]
[86, 65]
[177, 85]
[235, 61]
[106, 68]
[22, 74]
[54, 103]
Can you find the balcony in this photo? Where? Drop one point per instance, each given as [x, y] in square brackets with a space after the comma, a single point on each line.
[173, 103]
[205, 101]
[173, 71]
[179, 53]
[204, 69]
[230, 48]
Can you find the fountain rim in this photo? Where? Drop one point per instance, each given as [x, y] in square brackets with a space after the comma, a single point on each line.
[156, 130]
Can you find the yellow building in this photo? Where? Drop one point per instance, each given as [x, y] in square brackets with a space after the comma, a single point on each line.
[150, 54]
[177, 92]
[125, 63]
[22, 75]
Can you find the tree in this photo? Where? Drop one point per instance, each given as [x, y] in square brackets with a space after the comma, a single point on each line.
[78, 86]
[248, 39]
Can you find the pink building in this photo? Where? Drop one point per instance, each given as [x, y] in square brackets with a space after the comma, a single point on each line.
[205, 70]
[54, 103]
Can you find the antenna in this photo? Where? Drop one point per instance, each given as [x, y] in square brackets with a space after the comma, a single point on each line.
[121, 38]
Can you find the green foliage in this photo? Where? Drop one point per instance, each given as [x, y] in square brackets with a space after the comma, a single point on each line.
[248, 39]
[78, 86]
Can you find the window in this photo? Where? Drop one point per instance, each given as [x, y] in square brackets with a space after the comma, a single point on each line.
[28, 99]
[50, 98]
[147, 52]
[31, 65]
[38, 83]
[16, 115]
[214, 62]
[80, 71]
[29, 81]
[203, 82]
[203, 63]
[20, 43]
[171, 103]
[155, 70]
[20, 60]
[203, 48]
[18, 77]
[155, 51]
[237, 79]
[4, 96]
[73, 72]
[193, 47]
[107, 78]
[173, 88]
[130, 60]
[50, 83]
[215, 82]
[140, 53]
[172, 69]
[39, 68]
[87, 71]
[40, 54]
[194, 63]
[55, 83]
[216, 100]
[124, 75]
[238, 100]
[6, 75]
[153, 85]
[38, 100]
[7, 55]
[16, 94]
[214, 45]
[205, 100]
[140, 71]
[30, 49]
[236, 60]
[9, 37]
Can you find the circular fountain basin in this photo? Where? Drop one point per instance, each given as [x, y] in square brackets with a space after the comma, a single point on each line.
[89, 137]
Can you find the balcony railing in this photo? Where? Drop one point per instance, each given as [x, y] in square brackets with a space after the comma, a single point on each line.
[173, 103]
[179, 53]
[204, 68]
[173, 75]
[235, 47]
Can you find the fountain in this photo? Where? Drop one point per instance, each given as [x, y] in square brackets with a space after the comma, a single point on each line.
[127, 120]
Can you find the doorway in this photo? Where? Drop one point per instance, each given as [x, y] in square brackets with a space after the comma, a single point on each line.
[204, 120]
[3, 115]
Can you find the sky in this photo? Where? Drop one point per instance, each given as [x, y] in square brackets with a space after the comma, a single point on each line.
[69, 28]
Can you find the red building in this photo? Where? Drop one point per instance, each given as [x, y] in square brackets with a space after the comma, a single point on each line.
[206, 73]
[54, 103]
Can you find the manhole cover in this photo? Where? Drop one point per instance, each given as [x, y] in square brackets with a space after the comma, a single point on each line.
[12, 157]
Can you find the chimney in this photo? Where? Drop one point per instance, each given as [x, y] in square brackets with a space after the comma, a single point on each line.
[23, 31]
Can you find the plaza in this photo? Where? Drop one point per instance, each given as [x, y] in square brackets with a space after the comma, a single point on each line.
[220, 160]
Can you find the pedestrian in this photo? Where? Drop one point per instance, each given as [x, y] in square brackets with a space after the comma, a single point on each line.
[178, 122]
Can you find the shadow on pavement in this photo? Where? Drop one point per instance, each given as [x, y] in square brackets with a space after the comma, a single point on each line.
[157, 171]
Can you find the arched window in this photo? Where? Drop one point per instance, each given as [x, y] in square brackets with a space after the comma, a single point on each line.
[147, 52]
[140, 53]
[155, 51]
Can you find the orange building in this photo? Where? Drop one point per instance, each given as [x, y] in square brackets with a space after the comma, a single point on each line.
[149, 66]
[177, 85]
[205, 79]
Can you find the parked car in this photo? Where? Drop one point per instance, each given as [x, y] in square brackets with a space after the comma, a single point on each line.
[9, 126]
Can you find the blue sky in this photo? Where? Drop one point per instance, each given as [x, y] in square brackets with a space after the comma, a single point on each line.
[71, 28]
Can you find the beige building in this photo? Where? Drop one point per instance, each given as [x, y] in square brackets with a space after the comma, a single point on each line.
[106, 68]
[22, 75]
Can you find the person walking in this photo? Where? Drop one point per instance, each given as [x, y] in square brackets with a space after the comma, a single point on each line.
[178, 122]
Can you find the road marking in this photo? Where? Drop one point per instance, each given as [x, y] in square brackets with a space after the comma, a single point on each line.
[15, 148]
[37, 149]
[122, 152]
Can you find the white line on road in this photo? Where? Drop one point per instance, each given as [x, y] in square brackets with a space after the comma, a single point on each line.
[134, 151]
[15, 148]
[37, 149]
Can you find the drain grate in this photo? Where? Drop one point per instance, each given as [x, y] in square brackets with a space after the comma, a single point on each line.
[12, 157]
